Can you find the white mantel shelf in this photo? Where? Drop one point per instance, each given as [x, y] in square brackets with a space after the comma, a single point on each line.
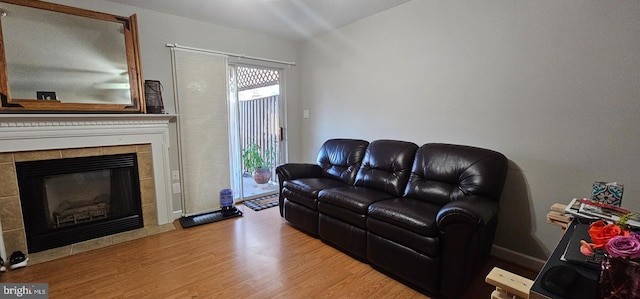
[9, 119]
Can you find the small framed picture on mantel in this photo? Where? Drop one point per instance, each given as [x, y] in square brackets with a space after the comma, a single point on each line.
[46, 95]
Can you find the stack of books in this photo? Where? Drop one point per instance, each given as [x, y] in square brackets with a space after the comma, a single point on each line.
[591, 209]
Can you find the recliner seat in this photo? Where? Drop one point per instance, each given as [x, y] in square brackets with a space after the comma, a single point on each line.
[337, 163]
[383, 174]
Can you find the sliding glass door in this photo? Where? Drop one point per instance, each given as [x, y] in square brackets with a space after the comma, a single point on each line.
[256, 129]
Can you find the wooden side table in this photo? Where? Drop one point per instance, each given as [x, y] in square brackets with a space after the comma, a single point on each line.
[508, 285]
[537, 291]
[558, 217]
[513, 286]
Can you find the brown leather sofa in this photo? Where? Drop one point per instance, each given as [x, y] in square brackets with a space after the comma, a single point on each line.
[423, 215]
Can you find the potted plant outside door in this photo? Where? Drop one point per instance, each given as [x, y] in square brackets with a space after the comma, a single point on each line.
[258, 162]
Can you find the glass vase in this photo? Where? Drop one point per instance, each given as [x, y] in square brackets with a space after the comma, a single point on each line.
[619, 278]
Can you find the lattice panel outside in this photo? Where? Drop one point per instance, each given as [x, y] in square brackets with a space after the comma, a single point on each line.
[250, 78]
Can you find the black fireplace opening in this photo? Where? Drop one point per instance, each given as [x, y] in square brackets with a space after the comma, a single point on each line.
[66, 201]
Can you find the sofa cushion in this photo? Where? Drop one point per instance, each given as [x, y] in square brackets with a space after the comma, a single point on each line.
[386, 166]
[340, 158]
[442, 173]
[356, 199]
[305, 191]
[413, 215]
[349, 204]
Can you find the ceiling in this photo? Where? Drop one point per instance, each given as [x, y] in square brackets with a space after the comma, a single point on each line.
[290, 19]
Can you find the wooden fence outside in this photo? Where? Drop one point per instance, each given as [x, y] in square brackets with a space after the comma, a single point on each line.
[259, 124]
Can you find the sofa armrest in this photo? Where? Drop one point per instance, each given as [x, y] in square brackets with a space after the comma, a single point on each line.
[292, 171]
[473, 210]
[467, 228]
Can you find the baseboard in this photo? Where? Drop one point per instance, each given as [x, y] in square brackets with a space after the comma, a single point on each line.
[517, 258]
[177, 214]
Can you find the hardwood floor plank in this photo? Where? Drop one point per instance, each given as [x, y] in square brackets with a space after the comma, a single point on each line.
[255, 256]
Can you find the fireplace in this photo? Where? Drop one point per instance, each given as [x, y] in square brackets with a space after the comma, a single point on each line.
[65, 201]
[32, 137]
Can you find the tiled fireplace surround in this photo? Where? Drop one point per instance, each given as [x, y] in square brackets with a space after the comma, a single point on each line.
[41, 137]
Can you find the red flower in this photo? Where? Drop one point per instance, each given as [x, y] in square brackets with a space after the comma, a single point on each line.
[601, 233]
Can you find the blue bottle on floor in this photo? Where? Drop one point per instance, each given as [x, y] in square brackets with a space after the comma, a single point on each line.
[226, 202]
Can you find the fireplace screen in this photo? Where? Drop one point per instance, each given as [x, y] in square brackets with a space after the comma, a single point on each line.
[66, 201]
[89, 200]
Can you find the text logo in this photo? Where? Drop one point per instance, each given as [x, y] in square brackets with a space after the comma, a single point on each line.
[24, 290]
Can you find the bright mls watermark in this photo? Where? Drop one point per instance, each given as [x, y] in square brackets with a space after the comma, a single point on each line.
[24, 290]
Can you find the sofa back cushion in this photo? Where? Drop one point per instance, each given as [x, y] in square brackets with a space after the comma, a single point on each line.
[340, 158]
[386, 166]
[445, 172]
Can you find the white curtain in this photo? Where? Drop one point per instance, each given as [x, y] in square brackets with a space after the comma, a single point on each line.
[200, 82]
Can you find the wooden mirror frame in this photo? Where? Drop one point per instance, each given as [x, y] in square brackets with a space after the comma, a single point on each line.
[133, 61]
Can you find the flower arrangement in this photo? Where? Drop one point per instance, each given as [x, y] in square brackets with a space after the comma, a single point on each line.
[615, 238]
[620, 268]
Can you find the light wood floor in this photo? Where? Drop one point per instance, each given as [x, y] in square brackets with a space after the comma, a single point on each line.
[254, 256]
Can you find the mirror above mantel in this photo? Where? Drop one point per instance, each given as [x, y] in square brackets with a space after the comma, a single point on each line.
[56, 58]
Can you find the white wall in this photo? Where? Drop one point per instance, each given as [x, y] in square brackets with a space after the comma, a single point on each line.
[157, 29]
[553, 85]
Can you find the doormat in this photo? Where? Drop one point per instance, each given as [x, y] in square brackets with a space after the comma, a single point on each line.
[262, 203]
[189, 221]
